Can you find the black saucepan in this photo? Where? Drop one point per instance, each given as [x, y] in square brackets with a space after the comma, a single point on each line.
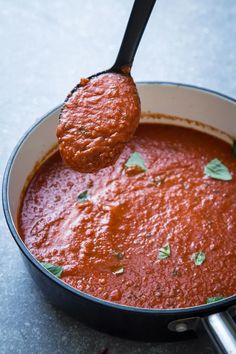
[141, 324]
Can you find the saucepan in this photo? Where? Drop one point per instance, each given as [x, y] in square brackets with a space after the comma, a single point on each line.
[197, 104]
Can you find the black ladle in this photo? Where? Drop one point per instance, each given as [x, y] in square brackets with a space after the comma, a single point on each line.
[138, 19]
[79, 149]
[139, 16]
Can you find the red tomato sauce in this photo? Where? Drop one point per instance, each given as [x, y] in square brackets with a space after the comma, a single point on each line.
[109, 245]
[97, 120]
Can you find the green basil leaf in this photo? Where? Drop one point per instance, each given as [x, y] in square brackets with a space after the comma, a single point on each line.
[53, 268]
[119, 271]
[164, 252]
[83, 196]
[234, 147]
[136, 159]
[199, 258]
[217, 170]
[210, 300]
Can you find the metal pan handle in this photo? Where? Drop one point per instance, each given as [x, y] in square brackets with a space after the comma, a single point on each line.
[220, 328]
[222, 331]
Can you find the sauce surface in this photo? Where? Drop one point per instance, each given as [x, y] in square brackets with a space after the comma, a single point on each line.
[109, 244]
[97, 120]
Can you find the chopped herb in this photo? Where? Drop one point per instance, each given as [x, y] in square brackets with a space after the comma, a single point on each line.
[82, 128]
[83, 196]
[210, 300]
[217, 170]
[53, 268]
[234, 147]
[119, 271]
[136, 160]
[149, 234]
[119, 255]
[199, 258]
[164, 252]
[175, 273]
[158, 180]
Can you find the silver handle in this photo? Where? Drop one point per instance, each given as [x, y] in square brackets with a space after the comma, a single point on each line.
[222, 330]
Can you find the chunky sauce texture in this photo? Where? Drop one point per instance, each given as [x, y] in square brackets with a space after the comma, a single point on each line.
[97, 120]
[109, 244]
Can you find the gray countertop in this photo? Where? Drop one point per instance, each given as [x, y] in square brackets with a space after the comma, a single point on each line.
[46, 46]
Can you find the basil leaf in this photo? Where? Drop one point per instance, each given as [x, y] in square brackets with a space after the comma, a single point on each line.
[136, 160]
[119, 271]
[234, 147]
[199, 258]
[210, 300]
[83, 196]
[53, 268]
[217, 170]
[164, 252]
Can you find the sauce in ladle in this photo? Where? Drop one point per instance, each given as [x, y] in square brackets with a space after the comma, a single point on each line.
[97, 120]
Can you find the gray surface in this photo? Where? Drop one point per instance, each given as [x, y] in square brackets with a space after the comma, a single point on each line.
[46, 46]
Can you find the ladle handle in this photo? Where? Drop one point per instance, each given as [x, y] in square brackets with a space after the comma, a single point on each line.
[139, 16]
